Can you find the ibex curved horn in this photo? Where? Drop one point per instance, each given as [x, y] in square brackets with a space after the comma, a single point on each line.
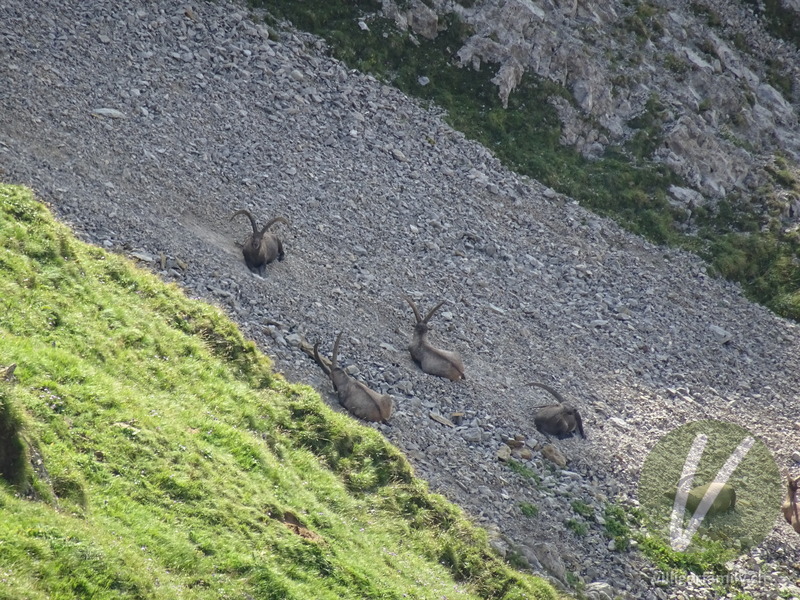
[414, 308]
[250, 216]
[272, 222]
[335, 352]
[431, 311]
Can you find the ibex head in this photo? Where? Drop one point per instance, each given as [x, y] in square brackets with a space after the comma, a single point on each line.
[422, 326]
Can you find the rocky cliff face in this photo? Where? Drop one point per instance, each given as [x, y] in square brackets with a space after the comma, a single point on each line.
[728, 89]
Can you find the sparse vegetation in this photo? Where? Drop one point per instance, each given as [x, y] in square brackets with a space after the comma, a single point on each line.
[711, 559]
[675, 64]
[150, 452]
[617, 526]
[522, 470]
[528, 509]
[576, 526]
[711, 17]
[583, 509]
[781, 21]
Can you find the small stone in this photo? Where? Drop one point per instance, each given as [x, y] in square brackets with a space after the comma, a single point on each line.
[554, 455]
[143, 256]
[294, 340]
[599, 590]
[504, 453]
[111, 113]
[472, 435]
[720, 335]
[550, 558]
[398, 155]
[621, 423]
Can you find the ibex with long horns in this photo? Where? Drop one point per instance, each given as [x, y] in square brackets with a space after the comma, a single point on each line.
[560, 420]
[261, 247]
[432, 360]
[354, 395]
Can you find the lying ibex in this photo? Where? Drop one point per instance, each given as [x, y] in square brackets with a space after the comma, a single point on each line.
[261, 248]
[790, 510]
[724, 500]
[560, 420]
[354, 395]
[432, 360]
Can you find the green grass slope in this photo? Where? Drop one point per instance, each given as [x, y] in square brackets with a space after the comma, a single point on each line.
[148, 451]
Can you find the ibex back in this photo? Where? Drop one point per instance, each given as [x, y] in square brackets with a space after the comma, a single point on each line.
[560, 420]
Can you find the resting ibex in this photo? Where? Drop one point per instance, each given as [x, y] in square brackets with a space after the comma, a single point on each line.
[789, 508]
[560, 420]
[354, 395]
[724, 500]
[432, 360]
[261, 248]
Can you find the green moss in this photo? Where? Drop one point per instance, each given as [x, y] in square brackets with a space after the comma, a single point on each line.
[578, 527]
[617, 526]
[522, 470]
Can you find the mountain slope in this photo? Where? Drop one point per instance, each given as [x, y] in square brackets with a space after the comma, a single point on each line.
[163, 459]
[386, 199]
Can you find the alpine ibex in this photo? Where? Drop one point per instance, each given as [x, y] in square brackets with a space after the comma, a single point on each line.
[261, 248]
[432, 361]
[790, 510]
[354, 395]
[560, 420]
[724, 500]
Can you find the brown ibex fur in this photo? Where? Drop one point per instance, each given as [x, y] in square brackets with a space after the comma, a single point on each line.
[790, 510]
[354, 395]
[261, 248]
[560, 420]
[432, 361]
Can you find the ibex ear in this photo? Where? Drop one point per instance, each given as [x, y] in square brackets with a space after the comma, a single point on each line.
[335, 353]
[433, 310]
[579, 424]
[414, 308]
